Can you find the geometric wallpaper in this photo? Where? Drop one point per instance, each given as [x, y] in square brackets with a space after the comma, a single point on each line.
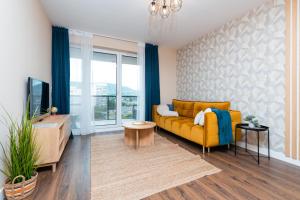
[242, 62]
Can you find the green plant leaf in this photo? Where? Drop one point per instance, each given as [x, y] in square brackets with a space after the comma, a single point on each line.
[21, 155]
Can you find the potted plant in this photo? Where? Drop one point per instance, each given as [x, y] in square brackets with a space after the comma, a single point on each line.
[252, 120]
[20, 158]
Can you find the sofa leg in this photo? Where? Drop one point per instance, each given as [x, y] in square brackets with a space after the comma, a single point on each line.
[208, 149]
[228, 146]
[203, 149]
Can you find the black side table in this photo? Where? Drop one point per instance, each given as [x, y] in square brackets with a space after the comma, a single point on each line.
[257, 130]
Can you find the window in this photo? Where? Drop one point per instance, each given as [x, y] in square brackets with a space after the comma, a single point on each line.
[114, 81]
[104, 88]
[130, 88]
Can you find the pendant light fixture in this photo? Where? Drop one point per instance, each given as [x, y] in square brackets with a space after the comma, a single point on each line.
[164, 7]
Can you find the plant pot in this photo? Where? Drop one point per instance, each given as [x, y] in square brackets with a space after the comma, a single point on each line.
[20, 190]
[251, 125]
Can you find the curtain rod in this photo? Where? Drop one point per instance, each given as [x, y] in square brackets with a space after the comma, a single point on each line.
[105, 36]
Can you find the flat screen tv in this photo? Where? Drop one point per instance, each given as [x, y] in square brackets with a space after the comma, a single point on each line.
[38, 96]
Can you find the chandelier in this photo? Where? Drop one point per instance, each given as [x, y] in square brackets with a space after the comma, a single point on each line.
[164, 7]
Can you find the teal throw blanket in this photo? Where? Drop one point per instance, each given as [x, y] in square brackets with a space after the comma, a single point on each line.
[224, 126]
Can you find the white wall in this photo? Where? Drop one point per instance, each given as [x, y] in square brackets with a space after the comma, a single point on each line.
[167, 74]
[25, 50]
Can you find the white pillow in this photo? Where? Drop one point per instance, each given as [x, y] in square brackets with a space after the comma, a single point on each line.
[198, 116]
[202, 119]
[170, 114]
[163, 110]
[207, 110]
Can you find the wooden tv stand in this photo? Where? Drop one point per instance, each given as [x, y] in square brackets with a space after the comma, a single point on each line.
[52, 135]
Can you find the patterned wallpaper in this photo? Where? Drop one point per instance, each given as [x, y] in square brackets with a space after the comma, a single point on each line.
[242, 62]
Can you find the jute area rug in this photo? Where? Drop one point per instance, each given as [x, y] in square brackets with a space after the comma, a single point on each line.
[119, 172]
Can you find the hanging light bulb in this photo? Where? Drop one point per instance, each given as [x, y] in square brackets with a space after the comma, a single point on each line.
[164, 11]
[176, 5]
[164, 7]
[153, 7]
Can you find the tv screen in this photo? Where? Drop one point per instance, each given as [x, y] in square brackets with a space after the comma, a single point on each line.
[38, 94]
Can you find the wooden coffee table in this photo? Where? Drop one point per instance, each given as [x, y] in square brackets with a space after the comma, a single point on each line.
[139, 135]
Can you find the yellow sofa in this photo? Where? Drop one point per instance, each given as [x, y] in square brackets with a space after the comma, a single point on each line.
[183, 126]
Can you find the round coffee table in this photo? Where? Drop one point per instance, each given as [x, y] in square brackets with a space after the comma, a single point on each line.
[139, 135]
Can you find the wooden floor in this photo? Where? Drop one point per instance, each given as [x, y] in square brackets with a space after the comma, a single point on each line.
[241, 177]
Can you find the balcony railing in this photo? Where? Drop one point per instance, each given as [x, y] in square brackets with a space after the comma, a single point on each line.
[104, 108]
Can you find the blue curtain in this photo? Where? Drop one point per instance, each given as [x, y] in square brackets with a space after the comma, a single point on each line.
[61, 70]
[152, 90]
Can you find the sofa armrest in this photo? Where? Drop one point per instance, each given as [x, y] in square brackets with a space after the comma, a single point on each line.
[236, 118]
[155, 115]
[211, 132]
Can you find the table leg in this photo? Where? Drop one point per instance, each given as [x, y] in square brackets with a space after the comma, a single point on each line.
[235, 142]
[246, 140]
[257, 147]
[137, 139]
[268, 144]
[53, 167]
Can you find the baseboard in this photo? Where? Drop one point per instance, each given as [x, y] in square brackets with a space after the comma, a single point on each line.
[273, 154]
[98, 130]
[102, 130]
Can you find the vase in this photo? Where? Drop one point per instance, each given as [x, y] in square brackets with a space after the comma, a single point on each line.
[17, 191]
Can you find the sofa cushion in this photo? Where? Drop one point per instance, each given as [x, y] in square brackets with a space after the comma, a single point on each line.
[198, 117]
[176, 125]
[169, 121]
[171, 107]
[163, 119]
[186, 129]
[163, 110]
[201, 105]
[184, 108]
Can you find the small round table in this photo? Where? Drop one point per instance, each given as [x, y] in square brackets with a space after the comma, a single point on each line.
[139, 135]
[254, 129]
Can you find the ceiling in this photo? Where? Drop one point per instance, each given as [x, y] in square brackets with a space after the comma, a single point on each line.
[130, 19]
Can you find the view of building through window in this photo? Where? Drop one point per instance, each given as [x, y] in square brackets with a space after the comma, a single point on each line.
[130, 85]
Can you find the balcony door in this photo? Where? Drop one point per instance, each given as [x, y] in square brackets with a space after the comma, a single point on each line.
[114, 88]
[129, 88]
[104, 88]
